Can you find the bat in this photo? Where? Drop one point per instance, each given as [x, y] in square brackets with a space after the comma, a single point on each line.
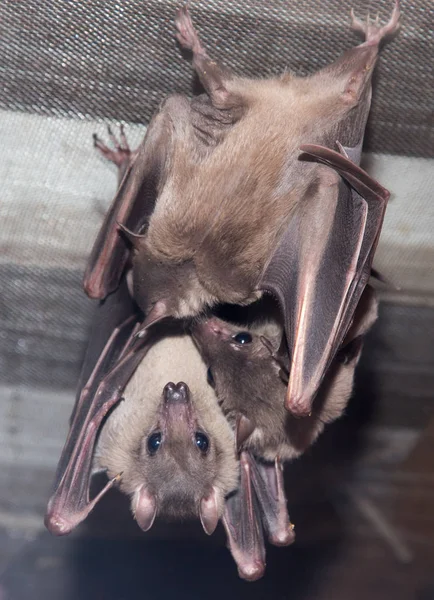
[167, 446]
[222, 200]
[247, 370]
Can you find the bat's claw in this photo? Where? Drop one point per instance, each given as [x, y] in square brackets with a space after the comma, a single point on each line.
[372, 31]
[121, 155]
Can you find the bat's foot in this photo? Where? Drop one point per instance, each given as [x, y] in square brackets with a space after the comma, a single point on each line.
[372, 31]
[186, 33]
[121, 154]
[211, 74]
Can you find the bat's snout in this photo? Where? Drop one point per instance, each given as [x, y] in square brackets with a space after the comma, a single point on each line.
[178, 408]
[176, 393]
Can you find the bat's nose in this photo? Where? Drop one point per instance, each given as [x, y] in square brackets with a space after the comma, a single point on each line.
[176, 393]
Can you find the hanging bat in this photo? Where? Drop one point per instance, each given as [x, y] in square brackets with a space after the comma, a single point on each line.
[237, 193]
[168, 446]
[192, 471]
[247, 371]
[247, 367]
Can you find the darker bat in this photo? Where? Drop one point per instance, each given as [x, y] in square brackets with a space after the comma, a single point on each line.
[219, 204]
[247, 370]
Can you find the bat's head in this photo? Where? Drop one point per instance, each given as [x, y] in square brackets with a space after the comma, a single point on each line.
[247, 369]
[163, 287]
[178, 462]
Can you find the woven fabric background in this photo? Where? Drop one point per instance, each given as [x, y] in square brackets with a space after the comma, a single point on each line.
[68, 68]
[116, 59]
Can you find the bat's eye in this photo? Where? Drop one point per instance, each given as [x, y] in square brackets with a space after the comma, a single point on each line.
[243, 337]
[154, 443]
[210, 378]
[201, 442]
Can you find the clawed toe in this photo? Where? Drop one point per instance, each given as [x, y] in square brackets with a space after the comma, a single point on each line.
[121, 153]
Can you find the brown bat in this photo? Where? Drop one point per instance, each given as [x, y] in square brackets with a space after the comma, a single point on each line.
[247, 370]
[225, 199]
[168, 446]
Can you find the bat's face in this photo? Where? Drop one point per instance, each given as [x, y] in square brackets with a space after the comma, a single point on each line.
[174, 460]
[245, 370]
[177, 456]
[242, 366]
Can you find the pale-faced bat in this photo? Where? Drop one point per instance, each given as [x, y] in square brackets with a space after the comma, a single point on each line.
[220, 205]
[170, 441]
[168, 446]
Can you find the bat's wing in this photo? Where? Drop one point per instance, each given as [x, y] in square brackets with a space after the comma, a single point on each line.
[321, 266]
[269, 488]
[134, 202]
[109, 314]
[376, 196]
[243, 526]
[120, 356]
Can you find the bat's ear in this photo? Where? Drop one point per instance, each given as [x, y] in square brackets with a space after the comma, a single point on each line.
[209, 511]
[244, 428]
[144, 508]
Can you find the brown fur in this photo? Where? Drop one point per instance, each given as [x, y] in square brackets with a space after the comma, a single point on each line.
[247, 380]
[221, 211]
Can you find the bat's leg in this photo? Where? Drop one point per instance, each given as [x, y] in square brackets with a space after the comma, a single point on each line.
[372, 31]
[268, 483]
[243, 527]
[121, 155]
[211, 74]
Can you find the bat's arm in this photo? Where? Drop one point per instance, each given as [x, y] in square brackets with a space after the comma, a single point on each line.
[70, 504]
